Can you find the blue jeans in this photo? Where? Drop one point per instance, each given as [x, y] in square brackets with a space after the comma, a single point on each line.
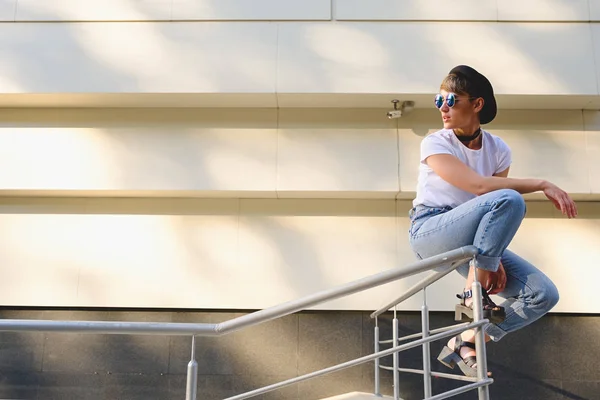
[489, 222]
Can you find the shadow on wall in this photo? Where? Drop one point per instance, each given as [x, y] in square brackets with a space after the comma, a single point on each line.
[532, 363]
[140, 367]
[152, 356]
[150, 57]
[145, 57]
[386, 57]
[547, 144]
[86, 366]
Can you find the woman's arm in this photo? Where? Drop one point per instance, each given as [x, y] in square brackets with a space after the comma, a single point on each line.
[455, 172]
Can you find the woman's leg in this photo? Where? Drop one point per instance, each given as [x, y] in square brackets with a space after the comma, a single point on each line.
[489, 222]
[529, 295]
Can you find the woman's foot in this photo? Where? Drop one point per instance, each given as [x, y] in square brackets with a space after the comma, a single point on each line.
[494, 313]
[460, 351]
[466, 350]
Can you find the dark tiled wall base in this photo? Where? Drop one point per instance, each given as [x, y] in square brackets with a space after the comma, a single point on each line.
[555, 358]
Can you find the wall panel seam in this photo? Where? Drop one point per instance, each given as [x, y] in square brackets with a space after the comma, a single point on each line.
[594, 56]
[587, 151]
[332, 10]
[15, 11]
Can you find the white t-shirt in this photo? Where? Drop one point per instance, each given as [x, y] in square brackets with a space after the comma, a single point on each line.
[493, 157]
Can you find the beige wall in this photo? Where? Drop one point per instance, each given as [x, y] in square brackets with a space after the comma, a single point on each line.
[217, 209]
[295, 57]
[217, 154]
[291, 54]
[173, 10]
[203, 253]
[265, 153]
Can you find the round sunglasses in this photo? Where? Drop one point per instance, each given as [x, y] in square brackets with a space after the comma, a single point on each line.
[451, 99]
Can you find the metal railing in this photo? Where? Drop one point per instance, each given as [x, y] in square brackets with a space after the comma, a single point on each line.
[448, 261]
[481, 382]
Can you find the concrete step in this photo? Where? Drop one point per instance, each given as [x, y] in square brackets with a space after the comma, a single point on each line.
[357, 396]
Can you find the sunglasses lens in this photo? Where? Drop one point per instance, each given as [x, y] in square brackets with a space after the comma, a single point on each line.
[451, 99]
[439, 100]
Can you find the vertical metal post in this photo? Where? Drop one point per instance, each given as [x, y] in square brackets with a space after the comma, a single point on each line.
[377, 385]
[426, 347]
[396, 354]
[483, 391]
[192, 374]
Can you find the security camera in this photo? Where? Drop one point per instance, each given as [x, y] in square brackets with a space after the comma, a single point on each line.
[394, 114]
[397, 112]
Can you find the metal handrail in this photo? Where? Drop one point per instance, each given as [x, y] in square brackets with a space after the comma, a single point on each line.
[255, 318]
[470, 252]
[436, 374]
[480, 383]
[110, 327]
[361, 360]
[463, 389]
[416, 335]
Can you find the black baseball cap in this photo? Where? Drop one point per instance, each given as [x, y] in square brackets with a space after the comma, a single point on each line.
[482, 88]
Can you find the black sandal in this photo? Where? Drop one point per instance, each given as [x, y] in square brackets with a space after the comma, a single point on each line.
[495, 314]
[451, 358]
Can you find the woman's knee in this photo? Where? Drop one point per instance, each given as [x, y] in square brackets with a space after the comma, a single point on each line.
[512, 199]
[547, 295]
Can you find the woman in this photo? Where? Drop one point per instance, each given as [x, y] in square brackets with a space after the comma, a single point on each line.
[464, 197]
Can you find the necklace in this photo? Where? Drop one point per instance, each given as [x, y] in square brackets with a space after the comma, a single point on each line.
[466, 139]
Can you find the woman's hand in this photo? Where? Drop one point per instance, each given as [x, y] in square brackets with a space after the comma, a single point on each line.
[562, 201]
[497, 280]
